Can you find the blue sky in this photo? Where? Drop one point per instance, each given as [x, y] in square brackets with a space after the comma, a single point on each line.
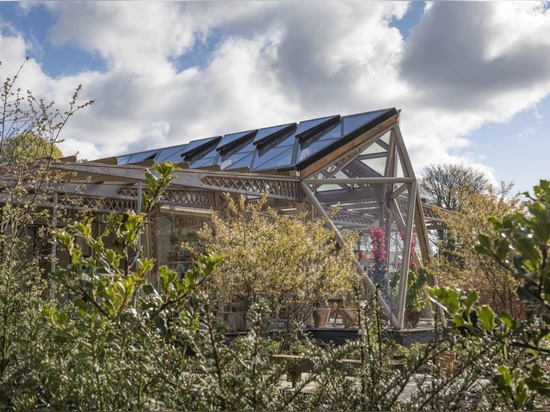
[472, 79]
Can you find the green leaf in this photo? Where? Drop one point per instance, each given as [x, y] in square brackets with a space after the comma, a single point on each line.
[484, 243]
[486, 318]
[507, 320]
[473, 297]
[149, 290]
[448, 297]
[503, 377]
[527, 249]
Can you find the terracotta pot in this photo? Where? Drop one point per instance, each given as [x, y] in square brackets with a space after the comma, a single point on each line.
[412, 318]
[349, 316]
[320, 317]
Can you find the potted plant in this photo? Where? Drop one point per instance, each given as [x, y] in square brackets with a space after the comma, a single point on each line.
[350, 310]
[321, 314]
[415, 302]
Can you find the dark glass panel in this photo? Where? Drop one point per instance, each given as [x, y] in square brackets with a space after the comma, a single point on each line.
[265, 134]
[245, 161]
[309, 128]
[242, 147]
[357, 120]
[208, 151]
[231, 140]
[331, 134]
[227, 162]
[285, 139]
[282, 159]
[233, 156]
[123, 160]
[202, 162]
[198, 145]
[308, 148]
[140, 157]
[265, 154]
[171, 154]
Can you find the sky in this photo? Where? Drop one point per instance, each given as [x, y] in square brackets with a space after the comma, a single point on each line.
[471, 79]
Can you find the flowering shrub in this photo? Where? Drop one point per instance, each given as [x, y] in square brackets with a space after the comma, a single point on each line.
[412, 263]
[378, 243]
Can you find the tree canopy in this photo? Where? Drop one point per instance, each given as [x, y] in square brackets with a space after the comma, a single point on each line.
[440, 182]
[27, 148]
[466, 269]
[283, 260]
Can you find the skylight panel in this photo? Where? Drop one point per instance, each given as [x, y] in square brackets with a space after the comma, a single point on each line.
[268, 133]
[310, 128]
[229, 141]
[354, 122]
[171, 154]
[198, 145]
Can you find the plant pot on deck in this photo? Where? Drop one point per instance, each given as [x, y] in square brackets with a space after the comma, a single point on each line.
[349, 316]
[320, 317]
[412, 318]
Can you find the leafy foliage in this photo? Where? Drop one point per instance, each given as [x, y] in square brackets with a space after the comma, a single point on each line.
[25, 224]
[104, 332]
[465, 268]
[286, 261]
[28, 148]
[521, 248]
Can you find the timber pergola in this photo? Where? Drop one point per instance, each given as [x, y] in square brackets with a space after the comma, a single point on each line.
[356, 163]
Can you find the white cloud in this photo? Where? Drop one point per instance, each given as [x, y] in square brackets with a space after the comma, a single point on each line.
[263, 63]
[461, 55]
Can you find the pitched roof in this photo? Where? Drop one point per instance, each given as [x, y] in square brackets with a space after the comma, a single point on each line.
[291, 146]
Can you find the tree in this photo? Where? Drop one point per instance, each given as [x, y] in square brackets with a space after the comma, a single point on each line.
[439, 184]
[24, 202]
[112, 330]
[27, 148]
[291, 262]
[31, 127]
[476, 271]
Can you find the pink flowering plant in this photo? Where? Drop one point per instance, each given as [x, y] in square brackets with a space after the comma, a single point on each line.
[380, 256]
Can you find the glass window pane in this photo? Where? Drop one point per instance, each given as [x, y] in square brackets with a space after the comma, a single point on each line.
[198, 145]
[265, 134]
[308, 148]
[309, 128]
[203, 162]
[245, 161]
[355, 121]
[284, 159]
[171, 154]
[235, 139]
[140, 157]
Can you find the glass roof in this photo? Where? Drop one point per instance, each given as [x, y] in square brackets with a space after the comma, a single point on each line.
[282, 147]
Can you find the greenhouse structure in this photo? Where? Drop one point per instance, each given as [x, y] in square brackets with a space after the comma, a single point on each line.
[356, 163]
